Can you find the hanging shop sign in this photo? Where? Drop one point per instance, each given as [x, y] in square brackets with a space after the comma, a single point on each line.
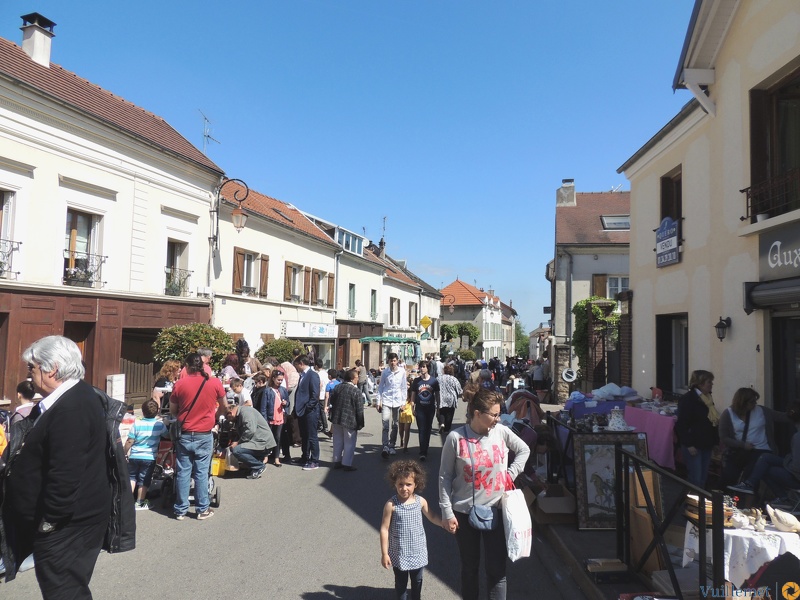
[667, 243]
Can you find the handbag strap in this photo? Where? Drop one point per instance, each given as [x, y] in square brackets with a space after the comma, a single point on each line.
[472, 464]
[746, 426]
[196, 396]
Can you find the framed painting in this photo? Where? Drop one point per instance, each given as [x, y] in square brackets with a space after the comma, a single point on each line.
[594, 475]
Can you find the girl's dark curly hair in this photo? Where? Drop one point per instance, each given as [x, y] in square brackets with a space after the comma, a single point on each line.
[407, 468]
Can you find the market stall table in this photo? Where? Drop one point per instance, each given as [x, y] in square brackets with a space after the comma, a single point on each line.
[746, 550]
[600, 407]
[660, 430]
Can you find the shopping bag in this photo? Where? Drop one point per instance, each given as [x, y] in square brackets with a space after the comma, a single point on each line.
[517, 524]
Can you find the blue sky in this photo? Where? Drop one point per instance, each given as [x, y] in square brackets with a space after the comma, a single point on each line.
[455, 120]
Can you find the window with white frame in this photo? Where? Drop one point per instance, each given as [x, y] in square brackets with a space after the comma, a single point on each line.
[81, 259]
[294, 282]
[351, 300]
[616, 284]
[373, 305]
[413, 314]
[319, 287]
[394, 311]
[176, 275]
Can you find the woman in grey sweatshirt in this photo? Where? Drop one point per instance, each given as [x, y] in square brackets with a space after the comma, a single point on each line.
[475, 469]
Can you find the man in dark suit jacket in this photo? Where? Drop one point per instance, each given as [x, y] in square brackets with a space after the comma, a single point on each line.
[306, 407]
[58, 491]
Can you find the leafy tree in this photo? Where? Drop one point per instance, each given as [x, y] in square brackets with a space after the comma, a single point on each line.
[280, 348]
[521, 340]
[448, 332]
[466, 354]
[580, 331]
[174, 343]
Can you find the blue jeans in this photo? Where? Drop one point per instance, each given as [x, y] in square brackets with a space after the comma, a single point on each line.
[494, 558]
[424, 414]
[770, 469]
[401, 583]
[193, 459]
[252, 459]
[697, 466]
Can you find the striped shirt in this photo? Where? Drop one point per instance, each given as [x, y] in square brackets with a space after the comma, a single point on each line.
[146, 435]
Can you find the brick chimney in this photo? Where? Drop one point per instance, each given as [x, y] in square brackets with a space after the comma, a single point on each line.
[37, 35]
[565, 195]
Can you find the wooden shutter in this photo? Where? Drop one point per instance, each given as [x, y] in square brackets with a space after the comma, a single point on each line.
[314, 286]
[287, 282]
[263, 276]
[306, 284]
[759, 137]
[238, 270]
[599, 285]
[331, 289]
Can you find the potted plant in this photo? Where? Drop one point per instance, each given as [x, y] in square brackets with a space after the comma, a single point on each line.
[79, 277]
[173, 288]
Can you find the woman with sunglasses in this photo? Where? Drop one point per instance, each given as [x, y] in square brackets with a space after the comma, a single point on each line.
[475, 470]
[276, 404]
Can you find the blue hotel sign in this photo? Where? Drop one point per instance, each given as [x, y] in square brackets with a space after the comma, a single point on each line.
[667, 243]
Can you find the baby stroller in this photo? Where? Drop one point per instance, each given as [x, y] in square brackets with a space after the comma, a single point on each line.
[165, 474]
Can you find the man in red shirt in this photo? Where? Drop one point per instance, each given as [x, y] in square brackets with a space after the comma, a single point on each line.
[196, 401]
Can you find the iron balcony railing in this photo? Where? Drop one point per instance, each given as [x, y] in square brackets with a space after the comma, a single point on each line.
[82, 269]
[774, 197]
[177, 281]
[7, 249]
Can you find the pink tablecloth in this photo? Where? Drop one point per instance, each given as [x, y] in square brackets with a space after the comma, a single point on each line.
[660, 432]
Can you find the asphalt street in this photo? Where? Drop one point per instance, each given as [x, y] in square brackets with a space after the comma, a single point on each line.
[311, 535]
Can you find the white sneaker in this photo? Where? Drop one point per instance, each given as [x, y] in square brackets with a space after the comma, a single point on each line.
[27, 564]
[392, 451]
[143, 505]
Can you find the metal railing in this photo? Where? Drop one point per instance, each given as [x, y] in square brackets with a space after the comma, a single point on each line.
[7, 249]
[773, 197]
[82, 269]
[176, 281]
[627, 465]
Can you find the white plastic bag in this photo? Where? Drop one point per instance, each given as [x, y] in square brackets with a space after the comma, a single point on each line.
[517, 524]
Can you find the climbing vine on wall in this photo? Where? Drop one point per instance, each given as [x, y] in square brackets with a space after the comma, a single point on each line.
[580, 328]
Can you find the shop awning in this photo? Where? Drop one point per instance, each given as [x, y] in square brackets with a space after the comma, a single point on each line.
[769, 294]
[388, 339]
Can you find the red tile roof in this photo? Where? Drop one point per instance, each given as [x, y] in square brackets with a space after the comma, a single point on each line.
[392, 271]
[66, 87]
[465, 294]
[581, 224]
[276, 211]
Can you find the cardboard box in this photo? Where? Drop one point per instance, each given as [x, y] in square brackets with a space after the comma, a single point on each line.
[607, 570]
[554, 509]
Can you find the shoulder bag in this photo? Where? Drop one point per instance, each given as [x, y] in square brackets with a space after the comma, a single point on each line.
[481, 517]
[176, 427]
[739, 456]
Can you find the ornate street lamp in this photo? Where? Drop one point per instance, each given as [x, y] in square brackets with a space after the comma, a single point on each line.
[238, 216]
[451, 300]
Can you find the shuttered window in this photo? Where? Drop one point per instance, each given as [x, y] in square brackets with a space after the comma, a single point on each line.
[599, 285]
[331, 290]
[263, 278]
[244, 272]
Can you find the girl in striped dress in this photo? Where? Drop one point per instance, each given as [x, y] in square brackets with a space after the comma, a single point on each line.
[403, 544]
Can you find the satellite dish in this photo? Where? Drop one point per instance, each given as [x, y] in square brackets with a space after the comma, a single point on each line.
[569, 375]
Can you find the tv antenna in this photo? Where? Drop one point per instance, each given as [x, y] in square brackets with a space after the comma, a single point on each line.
[206, 132]
[616, 188]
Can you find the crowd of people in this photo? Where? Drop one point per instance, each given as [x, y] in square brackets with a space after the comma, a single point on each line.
[746, 430]
[256, 414]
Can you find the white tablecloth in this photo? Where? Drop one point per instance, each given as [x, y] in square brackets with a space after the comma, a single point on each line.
[746, 550]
